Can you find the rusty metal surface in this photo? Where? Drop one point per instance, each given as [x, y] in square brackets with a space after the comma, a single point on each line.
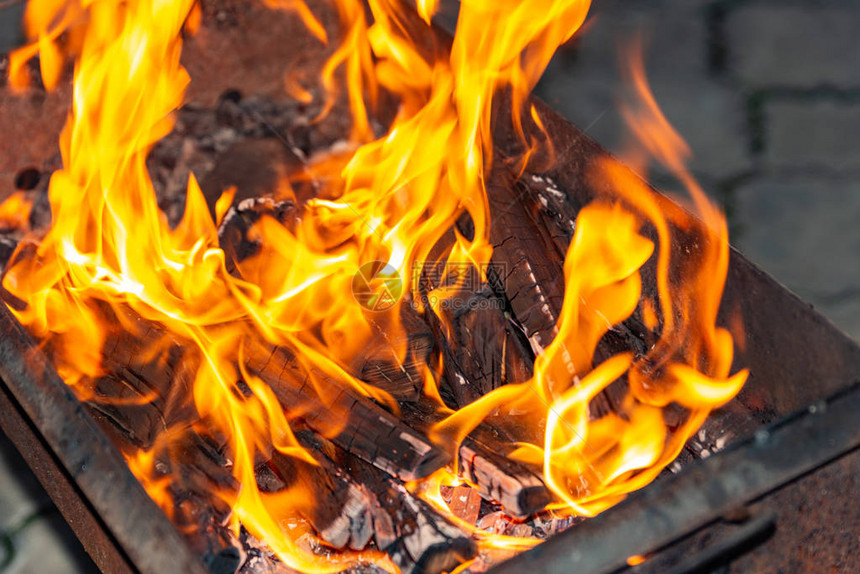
[814, 529]
[240, 45]
[119, 525]
[794, 354]
[670, 509]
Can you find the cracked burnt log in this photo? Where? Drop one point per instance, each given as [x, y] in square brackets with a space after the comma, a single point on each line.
[481, 347]
[233, 231]
[364, 504]
[391, 363]
[416, 537]
[336, 506]
[141, 399]
[526, 267]
[344, 508]
[551, 197]
[382, 366]
[483, 461]
[197, 468]
[355, 422]
[553, 221]
[194, 465]
[478, 340]
[487, 348]
[353, 501]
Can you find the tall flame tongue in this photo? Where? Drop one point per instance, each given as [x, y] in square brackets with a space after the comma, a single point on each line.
[391, 201]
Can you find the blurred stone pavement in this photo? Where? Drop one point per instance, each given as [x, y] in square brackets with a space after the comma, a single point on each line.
[767, 94]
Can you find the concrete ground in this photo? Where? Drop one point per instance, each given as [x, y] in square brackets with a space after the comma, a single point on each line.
[766, 92]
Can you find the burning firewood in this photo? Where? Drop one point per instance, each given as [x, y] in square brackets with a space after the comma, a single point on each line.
[486, 349]
[532, 277]
[248, 332]
[483, 461]
[338, 508]
[418, 539]
[363, 504]
[381, 366]
[361, 427]
[369, 432]
[353, 501]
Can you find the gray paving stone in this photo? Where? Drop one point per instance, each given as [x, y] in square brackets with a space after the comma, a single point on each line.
[804, 232]
[10, 27]
[803, 45]
[20, 493]
[674, 33]
[708, 116]
[845, 312]
[43, 542]
[812, 134]
[41, 548]
[584, 82]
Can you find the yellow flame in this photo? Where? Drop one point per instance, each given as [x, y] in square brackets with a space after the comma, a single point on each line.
[15, 211]
[388, 200]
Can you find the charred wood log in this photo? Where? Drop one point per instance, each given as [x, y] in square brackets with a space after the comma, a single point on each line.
[347, 508]
[416, 537]
[382, 366]
[146, 388]
[233, 231]
[477, 339]
[553, 199]
[197, 469]
[355, 422]
[364, 503]
[133, 412]
[335, 505]
[518, 488]
[483, 348]
[555, 217]
[484, 462]
[724, 425]
[526, 268]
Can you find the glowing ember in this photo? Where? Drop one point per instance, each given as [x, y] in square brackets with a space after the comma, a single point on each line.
[387, 207]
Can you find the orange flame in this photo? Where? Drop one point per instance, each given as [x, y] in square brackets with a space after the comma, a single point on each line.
[15, 211]
[389, 201]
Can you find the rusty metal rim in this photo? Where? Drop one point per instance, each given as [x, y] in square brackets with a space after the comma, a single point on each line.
[119, 524]
[681, 504]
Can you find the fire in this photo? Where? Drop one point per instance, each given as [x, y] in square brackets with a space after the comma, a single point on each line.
[15, 211]
[110, 253]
